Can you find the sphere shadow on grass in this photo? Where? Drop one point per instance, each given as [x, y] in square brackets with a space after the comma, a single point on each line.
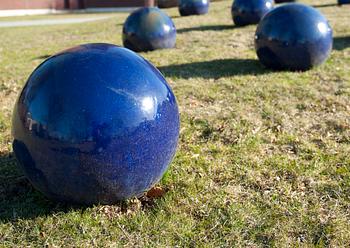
[42, 57]
[215, 69]
[341, 43]
[207, 28]
[325, 5]
[18, 199]
[176, 16]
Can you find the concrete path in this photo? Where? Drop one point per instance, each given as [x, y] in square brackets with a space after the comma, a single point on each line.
[45, 22]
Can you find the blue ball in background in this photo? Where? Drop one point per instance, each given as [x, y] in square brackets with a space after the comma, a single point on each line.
[193, 7]
[246, 12]
[293, 37]
[341, 2]
[95, 124]
[284, 1]
[148, 29]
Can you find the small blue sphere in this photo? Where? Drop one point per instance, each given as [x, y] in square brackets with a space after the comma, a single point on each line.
[341, 2]
[284, 1]
[293, 37]
[148, 29]
[246, 12]
[193, 7]
[95, 124]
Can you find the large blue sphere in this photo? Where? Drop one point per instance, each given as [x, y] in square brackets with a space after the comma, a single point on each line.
[245, 12]
[193, 7]
[95, 124]
[148, 29]
[293, 36]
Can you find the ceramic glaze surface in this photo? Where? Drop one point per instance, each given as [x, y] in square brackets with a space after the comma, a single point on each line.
[148, 29]
[340, 2]
[193, 7]
[284, 1]
[95, 124]
[293, 36]
[245, 12]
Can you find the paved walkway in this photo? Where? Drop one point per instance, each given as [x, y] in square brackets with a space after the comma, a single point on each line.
[44, 22]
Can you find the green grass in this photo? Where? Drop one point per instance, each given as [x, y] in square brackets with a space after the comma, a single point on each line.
[56, 16]
[263, 158]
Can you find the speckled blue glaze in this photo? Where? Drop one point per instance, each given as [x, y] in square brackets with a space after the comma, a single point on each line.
[95, 124]
[293, 36]
[193, 7]
[148, 29]
[340, 2]
[284, 1]
[246, 12]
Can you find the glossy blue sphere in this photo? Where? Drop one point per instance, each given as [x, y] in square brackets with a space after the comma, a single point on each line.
[293, 37]
[95, 124]
[193, 7]
[284, 1]
[341, 2]
[246, 12]
[148, 29]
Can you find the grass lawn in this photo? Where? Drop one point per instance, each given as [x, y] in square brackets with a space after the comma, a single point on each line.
[263, 158]
[57, 16]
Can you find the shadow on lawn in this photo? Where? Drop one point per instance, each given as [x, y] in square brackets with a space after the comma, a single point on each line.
[341, 43]
[206, 28]
[325, 5]
[18, 199]
[42, 57]
[215, 68]
[176, 17]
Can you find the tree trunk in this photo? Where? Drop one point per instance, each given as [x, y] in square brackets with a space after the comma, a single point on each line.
[149, 3]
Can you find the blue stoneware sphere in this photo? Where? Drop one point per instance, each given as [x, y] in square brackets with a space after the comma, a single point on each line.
[340, 2]
[293, 37]
[284, 1]
[193, 7]
[95, 124]
[245, 12]
[148, 29]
